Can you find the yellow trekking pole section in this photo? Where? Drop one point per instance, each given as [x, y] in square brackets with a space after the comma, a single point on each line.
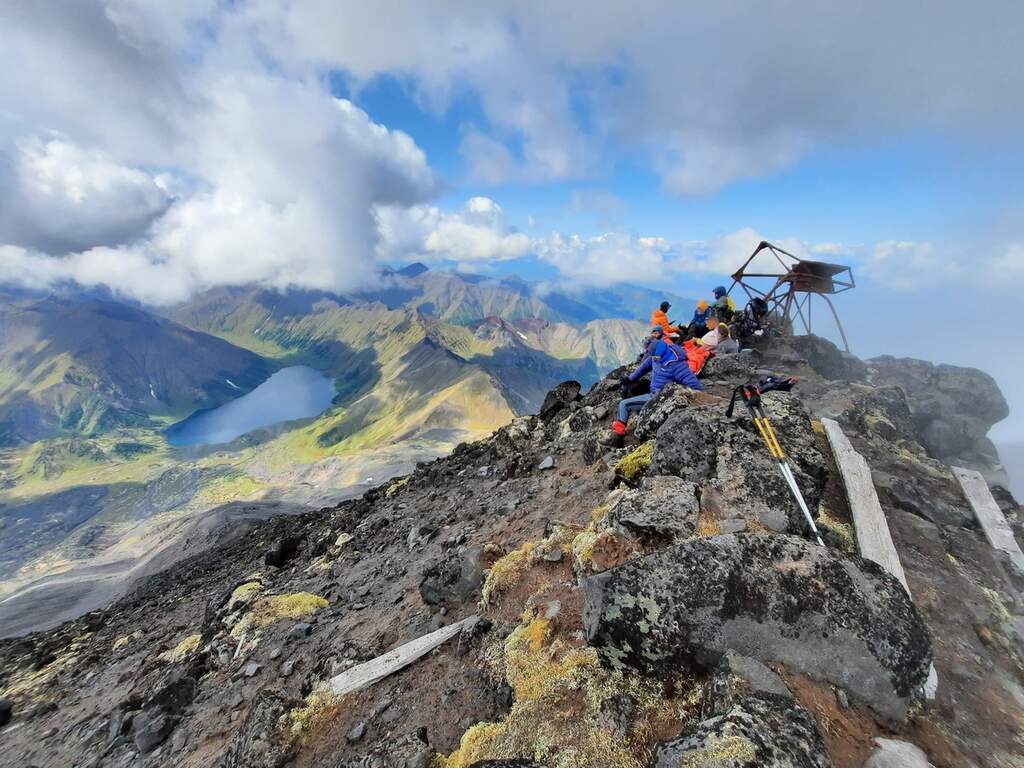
[768, 433]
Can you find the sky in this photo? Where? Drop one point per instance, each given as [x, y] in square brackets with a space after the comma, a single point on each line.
[158, 149]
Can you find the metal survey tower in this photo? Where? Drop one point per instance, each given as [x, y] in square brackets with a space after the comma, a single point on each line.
[789, 287]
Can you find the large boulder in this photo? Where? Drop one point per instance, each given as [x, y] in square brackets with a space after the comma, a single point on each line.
[827, 360]
[737, 368]
[559, 399]
[773, 598]
[728, 458]
[662, 508]
[952, 407]
[759, 731]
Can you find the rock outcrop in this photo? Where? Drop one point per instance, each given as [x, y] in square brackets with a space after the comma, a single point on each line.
[728, 458]
[664, 508]
[953, 408]
[774, 598]
[760, 731]
[623, 622]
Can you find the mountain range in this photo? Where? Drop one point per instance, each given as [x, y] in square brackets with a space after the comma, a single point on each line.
[93, 494]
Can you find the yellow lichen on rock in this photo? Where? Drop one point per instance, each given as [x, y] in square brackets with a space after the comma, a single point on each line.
[635, 463]
[266, 610]
[583, 549]
[507, 571]
[187, 646]
[318, 708]
[244, 593]
[844, 531]
[722, 752]
[560, 690]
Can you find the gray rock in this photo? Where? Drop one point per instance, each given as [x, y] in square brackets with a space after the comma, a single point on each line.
[506, 764]
[952, 407]
[773, 598]
[453, 579]
[827, 360]
[274, 654]
[736, 525]
[151, 727]
[558, 399]
[546, 463]
[738, 676]
[728, 457]
[669, 400]
[759, 731]
[302, 630]
[287, 668]
[736, 368]
[357, 733]
[601, 412]
[257, 744]
[251, 669]
[892, 753]
[281, 551]
[664, 507]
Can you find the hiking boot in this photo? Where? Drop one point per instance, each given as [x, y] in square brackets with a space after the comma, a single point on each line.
[612, 440]
[617, 436]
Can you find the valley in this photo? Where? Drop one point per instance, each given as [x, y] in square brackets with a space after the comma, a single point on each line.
[98, 491]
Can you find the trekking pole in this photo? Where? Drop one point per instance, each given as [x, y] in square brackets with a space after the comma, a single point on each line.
[751, 394]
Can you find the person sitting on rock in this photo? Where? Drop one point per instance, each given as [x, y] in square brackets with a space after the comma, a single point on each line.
[699, 324]
[668, 364]
[724, 307]
[726, 344]
[660, 317]
[657, 334]
[711, 338]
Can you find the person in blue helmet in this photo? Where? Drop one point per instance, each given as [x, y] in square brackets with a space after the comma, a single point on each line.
[724, 307]
[667, 364]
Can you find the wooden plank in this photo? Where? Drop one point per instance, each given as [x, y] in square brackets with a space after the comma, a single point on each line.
[370, 672]
[873, 538]
[990, 517]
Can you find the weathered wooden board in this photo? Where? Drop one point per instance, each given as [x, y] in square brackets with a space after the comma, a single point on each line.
[370, 672]
[990, 517]
[873, 537]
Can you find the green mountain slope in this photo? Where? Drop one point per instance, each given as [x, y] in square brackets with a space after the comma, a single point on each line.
[84, 367]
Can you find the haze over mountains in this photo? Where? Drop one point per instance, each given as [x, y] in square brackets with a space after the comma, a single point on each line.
[93, 494]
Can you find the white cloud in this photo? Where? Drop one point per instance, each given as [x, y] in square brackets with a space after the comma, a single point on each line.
[274, 181]
[476, 234]
[59, 197]
[708, 94]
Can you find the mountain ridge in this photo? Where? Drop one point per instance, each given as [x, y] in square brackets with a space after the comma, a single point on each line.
[533, 546]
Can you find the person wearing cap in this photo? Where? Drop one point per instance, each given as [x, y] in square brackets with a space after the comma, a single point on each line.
[660, 317]
[699, 324]
[667, 364]
[712, 337]
[657, 334]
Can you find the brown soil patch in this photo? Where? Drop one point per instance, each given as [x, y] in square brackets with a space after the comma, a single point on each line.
[848, 733]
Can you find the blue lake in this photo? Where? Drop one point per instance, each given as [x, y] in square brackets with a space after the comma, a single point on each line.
[297, 392]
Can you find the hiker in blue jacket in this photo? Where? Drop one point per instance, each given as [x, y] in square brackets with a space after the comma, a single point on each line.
[668, 364]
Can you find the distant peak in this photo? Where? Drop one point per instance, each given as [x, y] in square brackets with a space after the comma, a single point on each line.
[415, 269]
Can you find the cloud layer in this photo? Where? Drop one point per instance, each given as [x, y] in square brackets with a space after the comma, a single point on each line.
[162, 148]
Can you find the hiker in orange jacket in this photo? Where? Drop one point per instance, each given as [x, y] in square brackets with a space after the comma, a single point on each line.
[660, 317]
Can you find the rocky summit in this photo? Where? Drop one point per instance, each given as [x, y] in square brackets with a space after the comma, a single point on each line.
[660, 604]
